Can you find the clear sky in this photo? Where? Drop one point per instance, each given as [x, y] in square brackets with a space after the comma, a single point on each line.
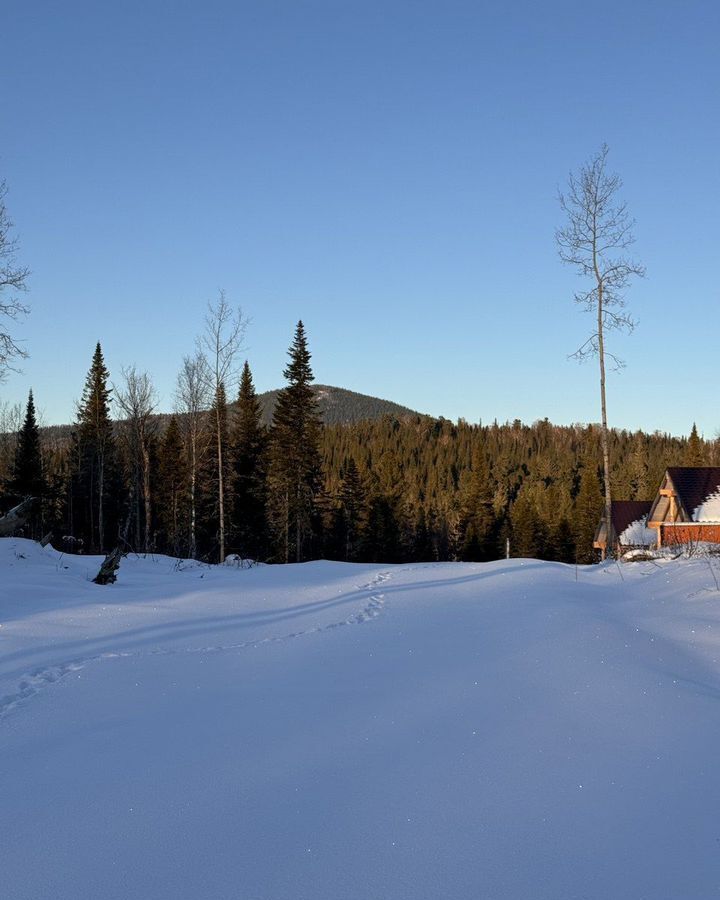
[386, 171]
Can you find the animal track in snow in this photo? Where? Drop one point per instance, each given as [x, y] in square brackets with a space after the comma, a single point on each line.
[35, 681]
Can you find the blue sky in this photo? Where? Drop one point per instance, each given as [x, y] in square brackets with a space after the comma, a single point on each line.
[388, 172]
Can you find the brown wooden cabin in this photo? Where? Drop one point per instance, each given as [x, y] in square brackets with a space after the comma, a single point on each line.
[687, 506]
[627, 527]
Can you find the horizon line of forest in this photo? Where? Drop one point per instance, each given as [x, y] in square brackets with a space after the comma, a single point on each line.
[212, 479]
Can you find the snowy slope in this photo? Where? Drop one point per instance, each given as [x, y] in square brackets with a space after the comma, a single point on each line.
[327, 731]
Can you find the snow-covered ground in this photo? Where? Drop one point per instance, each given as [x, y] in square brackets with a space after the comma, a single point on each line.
[328, 731]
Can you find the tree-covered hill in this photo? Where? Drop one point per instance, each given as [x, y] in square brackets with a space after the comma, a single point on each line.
[338, 406]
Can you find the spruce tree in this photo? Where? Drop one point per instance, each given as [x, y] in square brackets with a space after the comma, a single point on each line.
[295, 464]
[478, 517]
[249, 440]
[694, 455]
[172, 488]
[381, 543]
[560, 545]
[97, 476]
[352, 508]
[638, 474]
[27, 478]
[528, 532]
[588, 509]
[422, 550]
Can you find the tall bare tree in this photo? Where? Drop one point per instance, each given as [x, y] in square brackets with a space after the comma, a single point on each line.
[595, 241]
[11, 418]
[137, 400]
[192, 397]
[13, 280]
[221, 341]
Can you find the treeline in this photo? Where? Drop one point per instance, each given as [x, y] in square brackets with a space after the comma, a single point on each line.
[215, 480]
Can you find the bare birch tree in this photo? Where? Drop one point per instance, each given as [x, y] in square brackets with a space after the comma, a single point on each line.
[221, 341]
[192, 397]
[11, 419]
[137, 401]
[595, 240]
[13, 280]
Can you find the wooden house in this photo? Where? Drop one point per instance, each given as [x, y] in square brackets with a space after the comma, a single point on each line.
[628, 530]
[687, 506]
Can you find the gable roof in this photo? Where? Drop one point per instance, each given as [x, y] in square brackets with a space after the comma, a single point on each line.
[625, 512]
[694, 484]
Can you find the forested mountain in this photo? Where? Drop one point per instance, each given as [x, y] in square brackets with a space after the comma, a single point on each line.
[336, 406]
[314, 471]
[339, 406]
[392, 489]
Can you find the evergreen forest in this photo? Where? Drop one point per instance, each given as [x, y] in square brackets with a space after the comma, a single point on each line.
[216, 480]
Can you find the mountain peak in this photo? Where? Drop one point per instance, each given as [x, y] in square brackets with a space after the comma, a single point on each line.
[339, 406]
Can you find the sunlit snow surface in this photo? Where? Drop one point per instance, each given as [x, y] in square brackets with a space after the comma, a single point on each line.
[709, 509]
[638, 535]
[328, 731]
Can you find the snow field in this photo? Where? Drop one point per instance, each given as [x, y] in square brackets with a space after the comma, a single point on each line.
[334, 731]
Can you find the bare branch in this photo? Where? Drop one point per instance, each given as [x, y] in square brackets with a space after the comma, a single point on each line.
[222, 339]
[13, 279]
[597, 233]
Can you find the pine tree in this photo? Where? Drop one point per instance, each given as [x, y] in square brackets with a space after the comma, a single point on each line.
[97, 477]
[295, 464]
[694, 454]
[249, 526]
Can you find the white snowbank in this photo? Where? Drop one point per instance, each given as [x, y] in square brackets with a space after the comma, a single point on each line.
[337, 732]
[637, 535]
[709, 510]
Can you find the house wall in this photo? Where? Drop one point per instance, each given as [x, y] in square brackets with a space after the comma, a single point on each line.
[690, 532]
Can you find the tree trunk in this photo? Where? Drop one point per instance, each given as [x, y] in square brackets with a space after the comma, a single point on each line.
[16, 517]
[146, 495]
[101, 491]
[604, 427]
[193, 480]
[109, 567]
[221, 487]
[287, 526]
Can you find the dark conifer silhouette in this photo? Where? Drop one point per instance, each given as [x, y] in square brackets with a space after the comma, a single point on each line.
[172, 489]
[295, 464]
[478, 518]
[588, 509]
[694, 455]
[249, 439]
[97, 480]
[27, 479]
